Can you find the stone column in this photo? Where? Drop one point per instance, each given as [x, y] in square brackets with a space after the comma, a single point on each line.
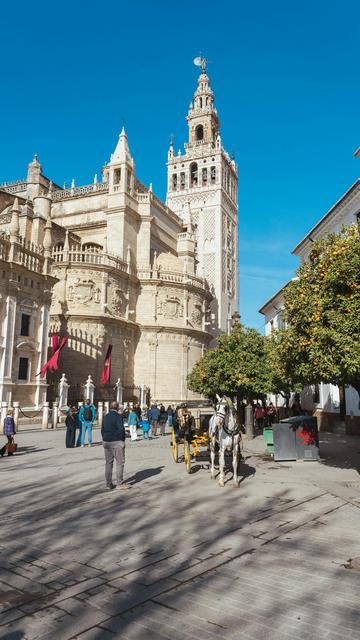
[8, 347]
[45, 416]
[106, 406]
[89, 390]
[119, 391]
[4, 408]
[55, 415]
[16, 407]
[41, 385]
[63, 391]
[100, 413]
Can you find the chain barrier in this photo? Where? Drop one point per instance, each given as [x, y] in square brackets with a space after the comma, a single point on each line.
[26, 415]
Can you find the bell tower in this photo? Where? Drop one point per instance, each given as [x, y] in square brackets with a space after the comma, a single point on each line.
[203, 188]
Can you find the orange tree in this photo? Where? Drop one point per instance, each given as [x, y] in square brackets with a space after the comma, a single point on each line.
[322, 312]
[237, 365]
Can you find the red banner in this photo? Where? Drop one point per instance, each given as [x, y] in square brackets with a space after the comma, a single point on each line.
[52, 363]
[105, 376]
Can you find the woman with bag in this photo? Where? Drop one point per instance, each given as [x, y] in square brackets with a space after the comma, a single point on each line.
[9, 431]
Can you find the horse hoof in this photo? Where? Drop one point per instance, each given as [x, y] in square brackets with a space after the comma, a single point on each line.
[212, 477]
[221, 483]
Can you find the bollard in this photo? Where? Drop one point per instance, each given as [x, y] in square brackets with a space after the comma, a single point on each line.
[55, 414]
[45, 415]
[249, 421]
[16, 407]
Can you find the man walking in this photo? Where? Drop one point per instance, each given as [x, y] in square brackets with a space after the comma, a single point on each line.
[113, 435]
[87, 415]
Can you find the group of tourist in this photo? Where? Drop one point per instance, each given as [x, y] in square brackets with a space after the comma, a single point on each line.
[264, 415]
[148, 420]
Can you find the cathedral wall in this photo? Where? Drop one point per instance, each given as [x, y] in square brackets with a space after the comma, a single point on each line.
[90, 207]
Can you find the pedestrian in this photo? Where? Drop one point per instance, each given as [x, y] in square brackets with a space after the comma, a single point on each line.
[155, 414]
[163, 419]
[170, 412]
[271, 413]
[145, 426]
[9, 431]
[132, 421]
[137, 410]
[87, 415]
[113, 436]
[259, 415]
[71, 423]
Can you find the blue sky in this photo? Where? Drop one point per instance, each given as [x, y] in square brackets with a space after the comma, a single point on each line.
[286, 82]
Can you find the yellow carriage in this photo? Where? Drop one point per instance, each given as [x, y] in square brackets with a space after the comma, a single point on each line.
[190, 429]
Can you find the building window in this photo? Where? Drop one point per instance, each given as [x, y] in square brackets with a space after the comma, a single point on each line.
[128, 181]
[25, 325]
[193, 174]
[204, 176]
[58, 252]
[213, 175]
[23, 368]
[199, 132]
[182, 180]
[174, 181]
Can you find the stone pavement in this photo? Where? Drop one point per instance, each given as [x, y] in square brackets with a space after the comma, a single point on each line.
[177, 557]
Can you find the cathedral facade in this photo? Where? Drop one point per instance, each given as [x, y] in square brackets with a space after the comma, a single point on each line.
[156, 281]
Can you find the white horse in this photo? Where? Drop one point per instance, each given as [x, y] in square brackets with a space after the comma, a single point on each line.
[224, 430]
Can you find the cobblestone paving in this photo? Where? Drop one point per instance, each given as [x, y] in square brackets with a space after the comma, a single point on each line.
[177, 557]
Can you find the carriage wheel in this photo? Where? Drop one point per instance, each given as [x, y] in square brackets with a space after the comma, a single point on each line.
[187, 456]
[174, 445]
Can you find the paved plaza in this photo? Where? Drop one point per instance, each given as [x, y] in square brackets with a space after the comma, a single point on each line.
[176, 557]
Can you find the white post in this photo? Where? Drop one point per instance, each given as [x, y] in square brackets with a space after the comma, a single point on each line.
[16, 407]
[106, 406]
[63, 391]
[55, 414]
[100, 413]
[119, 391]
[45, 415]
[4, 408]
[89, 390]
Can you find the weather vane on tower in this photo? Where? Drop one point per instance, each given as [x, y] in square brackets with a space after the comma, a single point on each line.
[201, 61]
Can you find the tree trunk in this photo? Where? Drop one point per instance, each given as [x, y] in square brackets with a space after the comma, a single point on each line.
[249, 420]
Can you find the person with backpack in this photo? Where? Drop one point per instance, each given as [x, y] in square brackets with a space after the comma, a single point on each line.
[86, 418]
[155, 415]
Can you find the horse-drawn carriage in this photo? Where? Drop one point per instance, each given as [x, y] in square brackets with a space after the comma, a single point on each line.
[190, 431]
[196, 426]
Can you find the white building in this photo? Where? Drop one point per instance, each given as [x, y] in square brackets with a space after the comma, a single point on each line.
[327, 401]
[155, 281]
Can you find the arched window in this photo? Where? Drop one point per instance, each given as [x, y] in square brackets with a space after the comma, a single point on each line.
[193, 174]
[182, 180]
[92, 247]
[204, 175]
[174, 181]
[213, 175]
[199, 132]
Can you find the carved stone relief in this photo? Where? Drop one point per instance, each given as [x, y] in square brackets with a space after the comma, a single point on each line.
[83, 291]
[170, 307]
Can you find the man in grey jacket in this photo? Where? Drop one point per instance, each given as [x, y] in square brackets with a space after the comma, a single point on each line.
[113, 435]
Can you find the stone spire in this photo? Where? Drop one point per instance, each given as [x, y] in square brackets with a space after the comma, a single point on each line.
[122, 151]
[34, 170]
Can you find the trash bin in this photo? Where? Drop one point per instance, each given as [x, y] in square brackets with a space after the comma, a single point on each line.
[296, 439]
[269, 440]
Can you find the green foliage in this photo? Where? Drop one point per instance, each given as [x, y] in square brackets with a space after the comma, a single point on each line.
[237, 365]
[322, 310]
[282, 376]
